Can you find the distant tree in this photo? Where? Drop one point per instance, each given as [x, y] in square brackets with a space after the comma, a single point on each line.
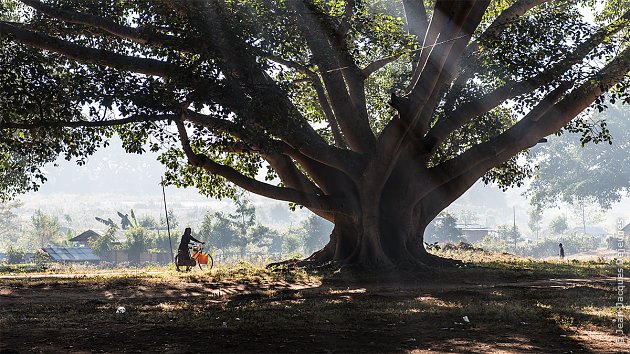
[445, 229]
[535, 217]
[276, 245]
[8, 221]
[217, 230]
[468, 217]
[173, 223]
[587, 210]
[161, 242]
[279, 212]
[149, 222]
[291, 243]
[492, 242]
[511, 234]
[574, 173]
[15, 255]
[316, 232]
[44, 229]
[244, 217]
[138, 241]
[558, 225]
[105, 242]
[262, 235]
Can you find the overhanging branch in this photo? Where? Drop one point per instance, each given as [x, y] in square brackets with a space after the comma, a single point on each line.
[280, 193]
[459, 173]
[86, 124]
[138, 35]
[468, 111]
[73, 51]
[511, 14]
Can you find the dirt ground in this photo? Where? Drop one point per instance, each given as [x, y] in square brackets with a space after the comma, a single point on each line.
[174, 313]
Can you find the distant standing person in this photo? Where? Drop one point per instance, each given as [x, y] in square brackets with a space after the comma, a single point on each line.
[186, 238]
[561, 251]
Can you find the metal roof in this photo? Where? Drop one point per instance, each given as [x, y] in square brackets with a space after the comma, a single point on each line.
[72, 254]
[86, 235]
[119, 236]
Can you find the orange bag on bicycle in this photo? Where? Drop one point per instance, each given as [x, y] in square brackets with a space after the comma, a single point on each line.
[201, 258]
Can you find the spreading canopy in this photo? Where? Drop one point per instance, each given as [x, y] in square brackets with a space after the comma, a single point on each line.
[360, 108]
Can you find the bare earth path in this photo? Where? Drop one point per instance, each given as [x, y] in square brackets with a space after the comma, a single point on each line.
[173, 313]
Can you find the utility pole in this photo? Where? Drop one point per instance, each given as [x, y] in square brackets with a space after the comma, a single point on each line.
[583, 220]
[168, 226]
[514, 226]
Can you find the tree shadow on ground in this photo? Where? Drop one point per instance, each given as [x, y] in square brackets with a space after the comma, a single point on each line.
[340, 314]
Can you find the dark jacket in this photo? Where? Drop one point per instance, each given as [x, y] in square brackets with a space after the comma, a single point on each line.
[186, 238]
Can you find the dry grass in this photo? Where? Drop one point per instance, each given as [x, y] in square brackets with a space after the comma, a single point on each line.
[513, 305]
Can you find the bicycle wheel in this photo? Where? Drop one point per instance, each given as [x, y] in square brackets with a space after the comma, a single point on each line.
[186, 268]
[177, 263]
[207, 266]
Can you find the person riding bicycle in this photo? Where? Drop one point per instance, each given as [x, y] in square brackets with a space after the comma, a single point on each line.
[186, 238]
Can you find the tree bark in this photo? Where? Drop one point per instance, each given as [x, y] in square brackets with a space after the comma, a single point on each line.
[386, 231]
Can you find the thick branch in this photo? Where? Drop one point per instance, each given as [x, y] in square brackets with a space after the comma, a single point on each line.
[378, 64]
[416, 112]
[509, 15]
[328, 112]
[416, 18]
[86, 124]
[328, 178]
[280, 193]
[73, 51]
[314, 79]
[340, 159]
[344, 26]
[342, 78]
[281, 117]
[293, 178]
[459, 173]
[290, 174]
[473, 109]
[442, 13]
[427, 97]
[138, 35]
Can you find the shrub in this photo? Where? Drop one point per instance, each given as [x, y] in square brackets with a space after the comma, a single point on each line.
[42, 259]
[15, 255]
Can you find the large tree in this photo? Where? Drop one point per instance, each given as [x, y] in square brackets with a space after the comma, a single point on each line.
[375, 115]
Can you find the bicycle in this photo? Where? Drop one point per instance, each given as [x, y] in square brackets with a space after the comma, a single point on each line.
[204, 260]
[196, 258]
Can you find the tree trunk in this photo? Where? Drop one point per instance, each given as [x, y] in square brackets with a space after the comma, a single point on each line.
[387, 232]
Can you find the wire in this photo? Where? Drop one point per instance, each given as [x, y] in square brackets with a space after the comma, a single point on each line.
[411, 51]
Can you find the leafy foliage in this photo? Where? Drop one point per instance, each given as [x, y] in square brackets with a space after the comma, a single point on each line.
[44, 229]
[511, 234]
[38, 85]
[316, 233]
[138, 241]
[15, 255]
[105, 243]
[569, 171]
[444, 229]
[8, 220]
[558, 225]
